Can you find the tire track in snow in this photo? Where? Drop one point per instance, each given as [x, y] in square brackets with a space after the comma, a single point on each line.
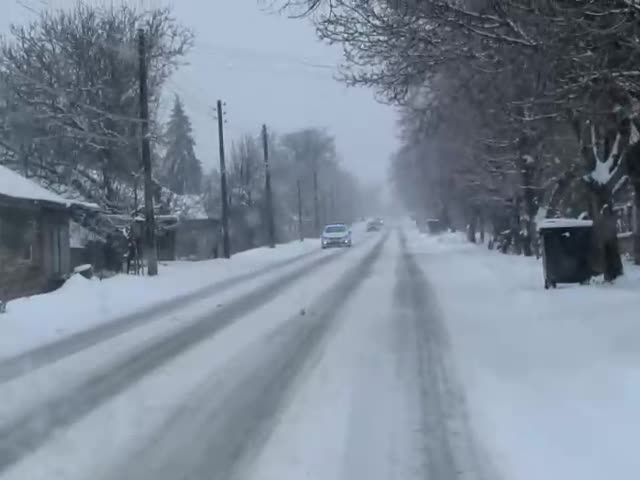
[33, 428]
[227, 424]
[24, 363]
[448, 448]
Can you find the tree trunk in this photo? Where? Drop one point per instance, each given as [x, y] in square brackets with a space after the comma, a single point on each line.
[472, 224]
[516, 228]
[445, 219]
[636, 222]
[529, 210]
[481, 225]
[606, 254]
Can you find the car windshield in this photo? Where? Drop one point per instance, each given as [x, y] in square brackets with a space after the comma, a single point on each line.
[335, 229]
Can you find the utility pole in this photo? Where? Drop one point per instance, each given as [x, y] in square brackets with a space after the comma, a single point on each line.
[150, 223]
[226, 248]
[300, 232]
[267, 188]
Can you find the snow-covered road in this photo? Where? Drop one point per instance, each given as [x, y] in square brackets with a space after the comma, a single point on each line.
[333, 366]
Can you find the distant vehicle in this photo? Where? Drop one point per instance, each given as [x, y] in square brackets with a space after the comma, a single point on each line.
[336, 235]
[375, 225]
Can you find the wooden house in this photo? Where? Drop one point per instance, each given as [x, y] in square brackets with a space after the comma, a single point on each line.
[34, 237]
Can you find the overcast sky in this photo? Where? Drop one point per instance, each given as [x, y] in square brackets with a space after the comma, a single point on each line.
[268, 69]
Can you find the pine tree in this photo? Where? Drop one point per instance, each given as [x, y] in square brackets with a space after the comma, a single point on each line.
[182, 169]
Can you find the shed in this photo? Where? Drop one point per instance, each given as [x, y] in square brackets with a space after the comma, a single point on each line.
[34, 237]
[188, 233]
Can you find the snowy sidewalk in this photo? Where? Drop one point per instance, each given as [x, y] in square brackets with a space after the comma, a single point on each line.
[81, 304]
[552, 378]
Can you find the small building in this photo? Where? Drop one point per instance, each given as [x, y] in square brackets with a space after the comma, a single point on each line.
[34, 237]
[184, 230]
[188, 232]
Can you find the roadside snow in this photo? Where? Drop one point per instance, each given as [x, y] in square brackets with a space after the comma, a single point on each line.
[138, 416]
[552, 378]
[24, 393]
[82, 303]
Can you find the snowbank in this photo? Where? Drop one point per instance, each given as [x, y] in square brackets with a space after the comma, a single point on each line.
[82, 303]
[552, 377]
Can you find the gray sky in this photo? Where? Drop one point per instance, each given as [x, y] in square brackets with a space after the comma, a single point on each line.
[268, 69]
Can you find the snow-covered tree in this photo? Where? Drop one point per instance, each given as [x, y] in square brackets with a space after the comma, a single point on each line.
[507, 80]
[181, 169]
[70, 85]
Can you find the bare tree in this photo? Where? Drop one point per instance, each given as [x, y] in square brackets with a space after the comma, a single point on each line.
[520, 71]
[70, 80]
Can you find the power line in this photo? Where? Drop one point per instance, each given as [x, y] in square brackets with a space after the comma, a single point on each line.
[218, 49]
[214, 49]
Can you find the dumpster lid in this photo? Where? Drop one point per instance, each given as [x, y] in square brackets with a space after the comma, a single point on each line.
[563, 223]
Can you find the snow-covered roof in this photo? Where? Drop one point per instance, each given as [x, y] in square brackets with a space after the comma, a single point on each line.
[72, 196]
[16, 186]
[563, 223]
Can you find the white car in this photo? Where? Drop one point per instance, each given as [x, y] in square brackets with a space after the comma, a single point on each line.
[336, 235]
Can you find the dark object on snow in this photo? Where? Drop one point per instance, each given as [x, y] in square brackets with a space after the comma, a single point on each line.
[85, 270]
[430, 225]
[374, 226]
[435, 226]
[566, 248]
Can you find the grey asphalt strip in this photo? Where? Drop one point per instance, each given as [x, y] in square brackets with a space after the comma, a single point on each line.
[26, 362]
[225, 424]
[26, 433]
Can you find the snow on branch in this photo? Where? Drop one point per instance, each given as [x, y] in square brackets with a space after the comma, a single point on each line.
[604, 171]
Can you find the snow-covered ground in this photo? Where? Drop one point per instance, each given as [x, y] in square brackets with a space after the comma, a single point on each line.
[81, 303]
[552, 378]
[202, 378]
[336, 367]
[353, 415]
